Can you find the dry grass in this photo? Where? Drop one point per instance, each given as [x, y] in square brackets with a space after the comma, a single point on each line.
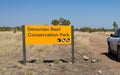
[104, 33]
[10, 43]
[11, 53]
[83, 43]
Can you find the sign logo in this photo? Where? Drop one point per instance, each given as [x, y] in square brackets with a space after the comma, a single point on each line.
[38, 34]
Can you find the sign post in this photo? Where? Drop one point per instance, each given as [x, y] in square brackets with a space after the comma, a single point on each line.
[38, 34]
[73, 57]
[24, 45]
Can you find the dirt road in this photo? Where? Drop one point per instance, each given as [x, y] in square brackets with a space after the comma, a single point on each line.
[98, 45]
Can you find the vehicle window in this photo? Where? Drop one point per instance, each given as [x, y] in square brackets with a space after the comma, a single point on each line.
[117, 33]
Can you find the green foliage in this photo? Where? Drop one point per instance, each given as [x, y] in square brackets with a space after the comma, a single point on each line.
[115, 25]
[61, 21]
[6, 28]
[55, 22]
[90, 30]
[56, 61]
[66, 22]
[18, 28]
[85, 29]
[77, 29]
[40, 50]
[14, 29]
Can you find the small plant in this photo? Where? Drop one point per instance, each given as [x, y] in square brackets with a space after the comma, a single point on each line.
[56, 60]
[40, 50]
[14, 30]
[99, 59]
[90, 31]
[29, 73]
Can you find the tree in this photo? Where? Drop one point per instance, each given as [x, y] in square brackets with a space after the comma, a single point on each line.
[66, 22]
[61, 21]
[18, 28]
[55, 22]
[115, 25]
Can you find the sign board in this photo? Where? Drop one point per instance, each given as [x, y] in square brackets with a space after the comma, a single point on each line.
[38, 34]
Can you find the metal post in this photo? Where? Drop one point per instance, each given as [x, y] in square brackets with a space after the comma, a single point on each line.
[24, 45]
[73, 57]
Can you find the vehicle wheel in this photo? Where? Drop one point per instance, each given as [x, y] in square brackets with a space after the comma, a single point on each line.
[109, 49]
[118, 53]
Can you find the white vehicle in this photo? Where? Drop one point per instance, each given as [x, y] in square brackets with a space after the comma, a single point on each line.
[114, 44]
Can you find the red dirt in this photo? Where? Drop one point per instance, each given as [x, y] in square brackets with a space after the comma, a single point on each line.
[98, 44]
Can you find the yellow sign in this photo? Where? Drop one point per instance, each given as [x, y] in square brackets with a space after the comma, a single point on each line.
[37, 34]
